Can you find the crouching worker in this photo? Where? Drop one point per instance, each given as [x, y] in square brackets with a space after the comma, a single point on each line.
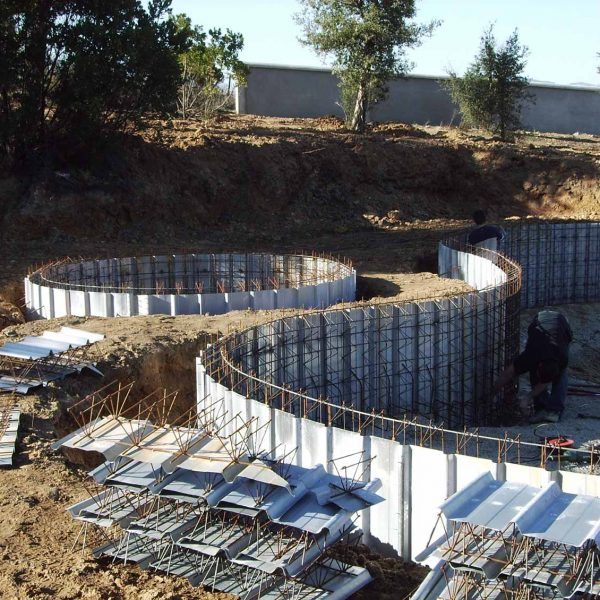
[545, 358]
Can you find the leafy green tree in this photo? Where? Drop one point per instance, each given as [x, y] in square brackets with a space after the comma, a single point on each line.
[493, 90]
[209, 66]
[75, 69]
[367, 40]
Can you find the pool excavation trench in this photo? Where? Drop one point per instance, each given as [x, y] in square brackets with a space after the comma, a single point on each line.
[381, 379]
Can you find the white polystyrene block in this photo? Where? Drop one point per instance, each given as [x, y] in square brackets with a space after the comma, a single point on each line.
[287, 298]
[47, 302]
[212, 304]
[98, 304]
[80, 303]
[239, 300]
[61, 303]
[122, 305]
[159, 305]
[264, 299]
[307, 296]
[322, 295]
[184, 304]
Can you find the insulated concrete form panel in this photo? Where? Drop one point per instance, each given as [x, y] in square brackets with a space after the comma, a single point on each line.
[349, 287]
[264, 299]
[559, 261]
[385, 523]
[580, 483]
[313, 448]
[34, 304]
[61, 303]
[307, 297]
[159, 305]
[322, 293]
[80, 303]
[528, 475]
[98, 307]
[469, 468]
[184, 304]
[285, 432]
[287, 298]
[241, 281]
[427, 493]
[123, 305]
[238, 300]
[47, 302]
[212, 304]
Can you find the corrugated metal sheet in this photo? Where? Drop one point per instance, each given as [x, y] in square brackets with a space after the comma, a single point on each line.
[34, 361]
[506, 537]
[9, 429]
[242, 524]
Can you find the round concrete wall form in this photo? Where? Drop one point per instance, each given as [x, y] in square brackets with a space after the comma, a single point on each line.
[187, 284]
[560, 261]
[436, 359]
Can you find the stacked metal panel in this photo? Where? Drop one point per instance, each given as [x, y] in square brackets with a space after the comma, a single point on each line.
[510, 540]
[9, 427]
[35, 361]
[187, 502]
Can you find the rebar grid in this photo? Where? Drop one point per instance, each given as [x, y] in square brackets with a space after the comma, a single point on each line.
[192, 273]
[415, 372]
[436, 359]
[560, 261]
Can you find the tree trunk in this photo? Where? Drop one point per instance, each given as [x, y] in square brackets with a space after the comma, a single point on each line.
[359, 117]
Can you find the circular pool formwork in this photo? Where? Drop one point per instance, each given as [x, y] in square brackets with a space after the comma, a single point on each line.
[187, 284]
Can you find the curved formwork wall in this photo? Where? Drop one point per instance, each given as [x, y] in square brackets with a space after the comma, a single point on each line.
[436, 359]
[560, 261]
[187, 284]
[329, 384]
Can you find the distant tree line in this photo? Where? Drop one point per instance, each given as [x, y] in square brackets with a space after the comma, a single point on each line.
[75, 71]
[368, 40]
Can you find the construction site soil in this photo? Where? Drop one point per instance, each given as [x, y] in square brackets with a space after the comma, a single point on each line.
[257, 184]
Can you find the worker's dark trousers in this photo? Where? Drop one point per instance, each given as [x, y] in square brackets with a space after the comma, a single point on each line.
[553, 400]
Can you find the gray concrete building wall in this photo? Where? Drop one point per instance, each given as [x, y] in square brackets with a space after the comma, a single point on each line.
[280, 91]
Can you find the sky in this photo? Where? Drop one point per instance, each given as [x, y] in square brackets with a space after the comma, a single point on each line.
[563, 37]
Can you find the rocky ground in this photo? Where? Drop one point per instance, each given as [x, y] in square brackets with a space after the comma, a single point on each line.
[247, 183]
